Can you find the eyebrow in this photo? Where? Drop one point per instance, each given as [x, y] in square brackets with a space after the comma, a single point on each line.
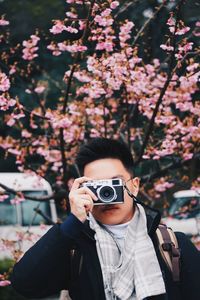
[118, 176]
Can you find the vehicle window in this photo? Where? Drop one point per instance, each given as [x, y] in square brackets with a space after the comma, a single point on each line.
[185, 207]
[29, 216]
[8, 212]
[23, 213]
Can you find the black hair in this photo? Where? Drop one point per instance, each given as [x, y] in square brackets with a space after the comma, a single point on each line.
[100, 148]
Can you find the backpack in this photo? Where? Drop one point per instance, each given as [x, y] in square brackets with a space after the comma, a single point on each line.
[169, 249]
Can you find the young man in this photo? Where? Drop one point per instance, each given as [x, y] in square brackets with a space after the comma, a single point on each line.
[106, 251]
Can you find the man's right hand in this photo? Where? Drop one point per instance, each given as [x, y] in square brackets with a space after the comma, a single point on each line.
[81, 199]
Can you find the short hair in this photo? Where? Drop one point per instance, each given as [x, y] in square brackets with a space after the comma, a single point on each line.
[100, 148]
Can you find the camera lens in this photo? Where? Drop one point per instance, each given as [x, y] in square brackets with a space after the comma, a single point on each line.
[106, 194]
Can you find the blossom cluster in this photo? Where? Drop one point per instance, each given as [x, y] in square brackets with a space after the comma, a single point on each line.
[30, 47]
[4, 82]
[110, 87]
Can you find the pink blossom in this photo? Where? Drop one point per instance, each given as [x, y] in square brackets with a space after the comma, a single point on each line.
[185, 48]
[114, 4]
[71, 48]
[54, 156]
[178, 55]
[3, 198]
[63, 46]
[40, 89]
[187, 156]
[133, 61]
[156, 157]
[29, 54]
[71, 15]
[58, 121]
[33, 125]
[6, 103]
[5, 282]
[182, 30]
[163, 186]
[41, 151]
[71, 29]
[4, 82]
[14, 151]
[43, 226]
[75, 1]
[54, 48]
[19, 115]
[25, 133]
[12, 70]
[167, 48]
[34, 39]
[29, 51]
[28, 91]
[145, 156]
[97, 111]
[125, 31]
[172, 29]
[103, 21]
[196, 33]
[81, 76]
[171, 21]
[106, 12]
[17, 200]
[94, 133]
[4, 22]
[81, 25]
[108, 46]
[192, 67]
[58, 27]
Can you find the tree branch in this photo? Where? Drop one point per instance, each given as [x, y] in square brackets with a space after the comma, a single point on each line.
[41, 198]
[162, 92]
[62, 141]
[173, 165]
[147, 23]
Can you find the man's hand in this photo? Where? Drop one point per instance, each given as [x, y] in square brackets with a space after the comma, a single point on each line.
[81, 199]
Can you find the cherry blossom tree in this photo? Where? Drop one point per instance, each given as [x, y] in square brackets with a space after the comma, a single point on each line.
[108, 89]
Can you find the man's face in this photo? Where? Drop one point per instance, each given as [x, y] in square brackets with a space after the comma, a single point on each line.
[108, 168]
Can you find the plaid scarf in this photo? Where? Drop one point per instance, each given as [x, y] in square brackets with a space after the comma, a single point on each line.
[132, 272]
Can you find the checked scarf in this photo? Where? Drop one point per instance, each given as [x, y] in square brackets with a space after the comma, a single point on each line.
[132, 272]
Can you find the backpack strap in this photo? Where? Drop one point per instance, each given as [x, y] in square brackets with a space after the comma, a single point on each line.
[169, 249]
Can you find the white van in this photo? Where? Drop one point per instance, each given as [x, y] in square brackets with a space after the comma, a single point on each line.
[20, 223]
[184, 212]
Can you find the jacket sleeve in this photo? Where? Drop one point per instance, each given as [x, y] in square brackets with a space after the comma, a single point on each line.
[45, 268]
[190, 268]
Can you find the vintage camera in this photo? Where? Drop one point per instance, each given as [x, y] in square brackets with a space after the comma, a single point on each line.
[108, 191]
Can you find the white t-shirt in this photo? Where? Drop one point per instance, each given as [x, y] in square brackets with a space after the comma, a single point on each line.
[118, 232]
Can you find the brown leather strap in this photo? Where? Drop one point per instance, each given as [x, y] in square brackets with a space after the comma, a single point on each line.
[170, 245]
[175, 264]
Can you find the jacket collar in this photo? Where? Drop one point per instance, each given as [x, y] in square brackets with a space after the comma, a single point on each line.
[153, 219]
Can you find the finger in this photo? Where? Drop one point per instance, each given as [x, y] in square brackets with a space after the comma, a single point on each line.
[86, 197]
[77, 200]
[86, 190]
[78, 181]
[88, 204]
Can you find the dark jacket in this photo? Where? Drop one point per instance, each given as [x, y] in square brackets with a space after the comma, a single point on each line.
[66, 258]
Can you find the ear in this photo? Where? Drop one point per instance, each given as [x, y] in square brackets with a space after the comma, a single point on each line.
[135, 183]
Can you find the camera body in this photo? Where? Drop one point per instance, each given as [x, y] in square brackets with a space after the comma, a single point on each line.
[108, 191]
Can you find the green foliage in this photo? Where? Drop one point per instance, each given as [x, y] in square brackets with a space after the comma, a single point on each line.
[5, 264]
[8, 293]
